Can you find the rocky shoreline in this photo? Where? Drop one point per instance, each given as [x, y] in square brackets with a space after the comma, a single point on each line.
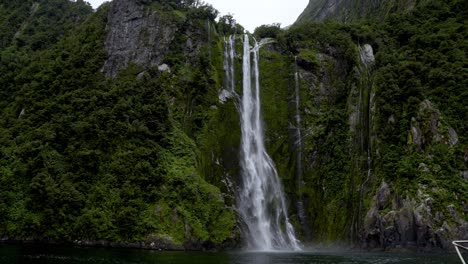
[395, 223]
[153, 245]
[211, 247]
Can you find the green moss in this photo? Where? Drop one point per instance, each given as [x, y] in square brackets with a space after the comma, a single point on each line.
[310, 56]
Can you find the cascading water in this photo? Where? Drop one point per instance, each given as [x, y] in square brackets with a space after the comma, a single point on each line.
[298, 127]
[229, 69]
[232, 54]
[366, 55]
[261, 201]
[229, 56]
[298, 146]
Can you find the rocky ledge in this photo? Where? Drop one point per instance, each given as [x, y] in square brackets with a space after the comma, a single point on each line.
[393, 222]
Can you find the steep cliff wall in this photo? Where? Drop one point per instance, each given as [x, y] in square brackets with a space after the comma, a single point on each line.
[346, 11]
[372, 122]
[149, 34]
[117, 128]
[116, 159]
[136, 34]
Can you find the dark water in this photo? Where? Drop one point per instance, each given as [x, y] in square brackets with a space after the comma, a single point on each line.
[53, 254]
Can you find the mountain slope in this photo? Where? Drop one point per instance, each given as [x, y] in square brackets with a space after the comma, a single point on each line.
[117, 128]
[349, 10]
[85, 157]
[404, 167]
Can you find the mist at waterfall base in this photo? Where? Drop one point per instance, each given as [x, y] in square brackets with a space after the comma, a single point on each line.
[36, 254]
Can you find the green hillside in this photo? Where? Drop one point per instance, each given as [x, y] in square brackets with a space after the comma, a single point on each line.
[112, 128]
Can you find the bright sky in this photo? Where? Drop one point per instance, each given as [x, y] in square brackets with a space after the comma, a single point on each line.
[254, 13]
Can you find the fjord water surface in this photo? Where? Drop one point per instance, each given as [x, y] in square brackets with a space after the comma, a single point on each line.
[34, 254]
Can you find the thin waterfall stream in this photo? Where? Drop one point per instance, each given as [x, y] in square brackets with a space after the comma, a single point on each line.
[301, 212]
[366, 55]
[261, 200]
[229, 66]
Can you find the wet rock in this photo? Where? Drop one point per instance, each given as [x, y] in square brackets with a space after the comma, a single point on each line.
[22, 113]
[224, 95]
[405, 225]
[367, 54]
[453, 212]
[416, 134]
[372, 236]
[464, 174]
[141, 75]
[423, 167]
[383, 195]
[164, 68]
[453, 137]
[136, 34]
[411, 223]
[429, 127]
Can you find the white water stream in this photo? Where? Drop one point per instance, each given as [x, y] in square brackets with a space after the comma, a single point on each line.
[229, 56]
[261, 200]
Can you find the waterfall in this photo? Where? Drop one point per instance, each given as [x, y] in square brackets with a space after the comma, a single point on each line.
[298, 122]
[261, 201]
[229, 56]
[232, 54]
[229, 69]
[298, 146]
[366, 55]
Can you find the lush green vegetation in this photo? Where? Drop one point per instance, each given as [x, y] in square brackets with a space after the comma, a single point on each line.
[85, 157]
[418, 81]
[423, 59]
[150, 154]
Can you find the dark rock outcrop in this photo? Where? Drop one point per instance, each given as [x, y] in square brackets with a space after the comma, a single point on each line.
[393, 223]
[136, 34]
[429, 127]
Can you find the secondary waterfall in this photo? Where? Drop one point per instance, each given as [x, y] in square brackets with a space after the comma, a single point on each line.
[229, 56]
[301, 212]
[261, 201]
[229, 70]
[366, 55]
[298, 126]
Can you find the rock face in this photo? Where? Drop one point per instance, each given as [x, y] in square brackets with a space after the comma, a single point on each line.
[464, 174]
[419, 221]
[429, 127]
[367, 54]
[347, 10]
[393, 222]
[328, 8]
[136, 34]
